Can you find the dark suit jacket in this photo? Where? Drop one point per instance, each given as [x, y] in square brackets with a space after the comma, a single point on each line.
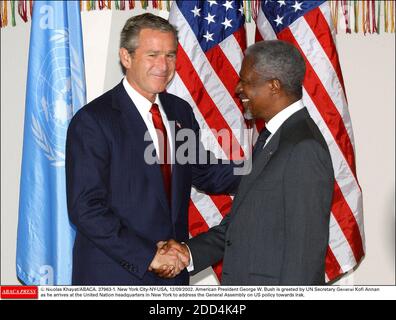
[117, 202]
[278, 229]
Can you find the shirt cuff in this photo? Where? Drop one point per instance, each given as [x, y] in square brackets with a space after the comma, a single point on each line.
[190, 267]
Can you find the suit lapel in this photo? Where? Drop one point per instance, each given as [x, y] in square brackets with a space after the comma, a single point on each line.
[136, 128]
[258, 166]
[286, 129]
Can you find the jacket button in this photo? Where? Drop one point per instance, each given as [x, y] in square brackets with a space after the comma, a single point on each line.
[228, 243]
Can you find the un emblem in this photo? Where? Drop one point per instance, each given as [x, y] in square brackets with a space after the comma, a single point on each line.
[59, 92]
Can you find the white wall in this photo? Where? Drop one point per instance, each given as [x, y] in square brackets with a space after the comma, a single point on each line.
[14, 50]
[368, 64]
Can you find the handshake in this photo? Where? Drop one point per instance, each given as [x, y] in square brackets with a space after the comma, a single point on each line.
[170, 259]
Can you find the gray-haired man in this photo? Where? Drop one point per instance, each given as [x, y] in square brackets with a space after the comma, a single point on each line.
[121, 204]
[277, 231]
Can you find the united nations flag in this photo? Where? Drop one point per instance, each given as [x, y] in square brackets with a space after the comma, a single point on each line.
[55, 92]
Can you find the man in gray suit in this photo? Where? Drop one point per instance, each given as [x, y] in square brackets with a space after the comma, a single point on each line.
[278, 229]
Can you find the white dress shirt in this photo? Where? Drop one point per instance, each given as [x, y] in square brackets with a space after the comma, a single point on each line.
[143, 106]
[276, 122]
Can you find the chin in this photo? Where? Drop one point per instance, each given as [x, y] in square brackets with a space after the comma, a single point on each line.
[158, 85]
[160, 89]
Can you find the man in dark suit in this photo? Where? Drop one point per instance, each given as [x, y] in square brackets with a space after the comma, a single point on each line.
[120, 199]
[277, 231]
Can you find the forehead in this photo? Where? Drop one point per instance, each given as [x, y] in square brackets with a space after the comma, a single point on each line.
[247, 70]
[151, 39]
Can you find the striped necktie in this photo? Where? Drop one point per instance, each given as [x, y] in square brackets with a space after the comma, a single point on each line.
[260, 143]
[163, 143]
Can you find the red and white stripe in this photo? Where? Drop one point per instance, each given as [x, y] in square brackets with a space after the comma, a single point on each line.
[209, 85]
[207, 80]
[324, 96]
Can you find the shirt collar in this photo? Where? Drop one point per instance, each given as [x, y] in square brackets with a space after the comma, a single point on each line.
[142, 103]
[274, 124]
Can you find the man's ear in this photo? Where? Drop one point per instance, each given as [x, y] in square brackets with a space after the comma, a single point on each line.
[275, 86]
[125, 58]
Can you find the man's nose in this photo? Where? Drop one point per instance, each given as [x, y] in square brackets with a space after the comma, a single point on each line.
[162, 63]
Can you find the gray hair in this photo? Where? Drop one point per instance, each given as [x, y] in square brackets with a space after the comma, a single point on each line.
[133, 26]
[280, 60]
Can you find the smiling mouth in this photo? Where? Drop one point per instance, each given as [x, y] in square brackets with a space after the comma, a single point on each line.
[243, 98]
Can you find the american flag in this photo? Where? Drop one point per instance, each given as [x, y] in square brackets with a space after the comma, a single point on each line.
[308, 26]
[212, 40]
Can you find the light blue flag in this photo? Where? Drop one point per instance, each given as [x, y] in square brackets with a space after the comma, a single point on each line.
[55, 92]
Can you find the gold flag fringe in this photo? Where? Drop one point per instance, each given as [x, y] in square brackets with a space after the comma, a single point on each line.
[365, 14]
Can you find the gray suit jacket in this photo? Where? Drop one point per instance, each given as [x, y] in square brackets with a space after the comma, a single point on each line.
[277, 231]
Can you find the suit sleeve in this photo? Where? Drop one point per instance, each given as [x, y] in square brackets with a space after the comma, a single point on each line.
[308, 188]
[215, 176]
[208, 248]
[87, 182]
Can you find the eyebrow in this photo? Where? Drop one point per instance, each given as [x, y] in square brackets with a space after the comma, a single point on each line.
[157, 51]
[242, 78]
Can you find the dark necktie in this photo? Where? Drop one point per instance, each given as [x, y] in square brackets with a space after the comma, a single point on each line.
[260, 143]
[163, 144]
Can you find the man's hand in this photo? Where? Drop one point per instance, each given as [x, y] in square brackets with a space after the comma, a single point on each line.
[173, 247]
[171, 258]
[167, 264]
